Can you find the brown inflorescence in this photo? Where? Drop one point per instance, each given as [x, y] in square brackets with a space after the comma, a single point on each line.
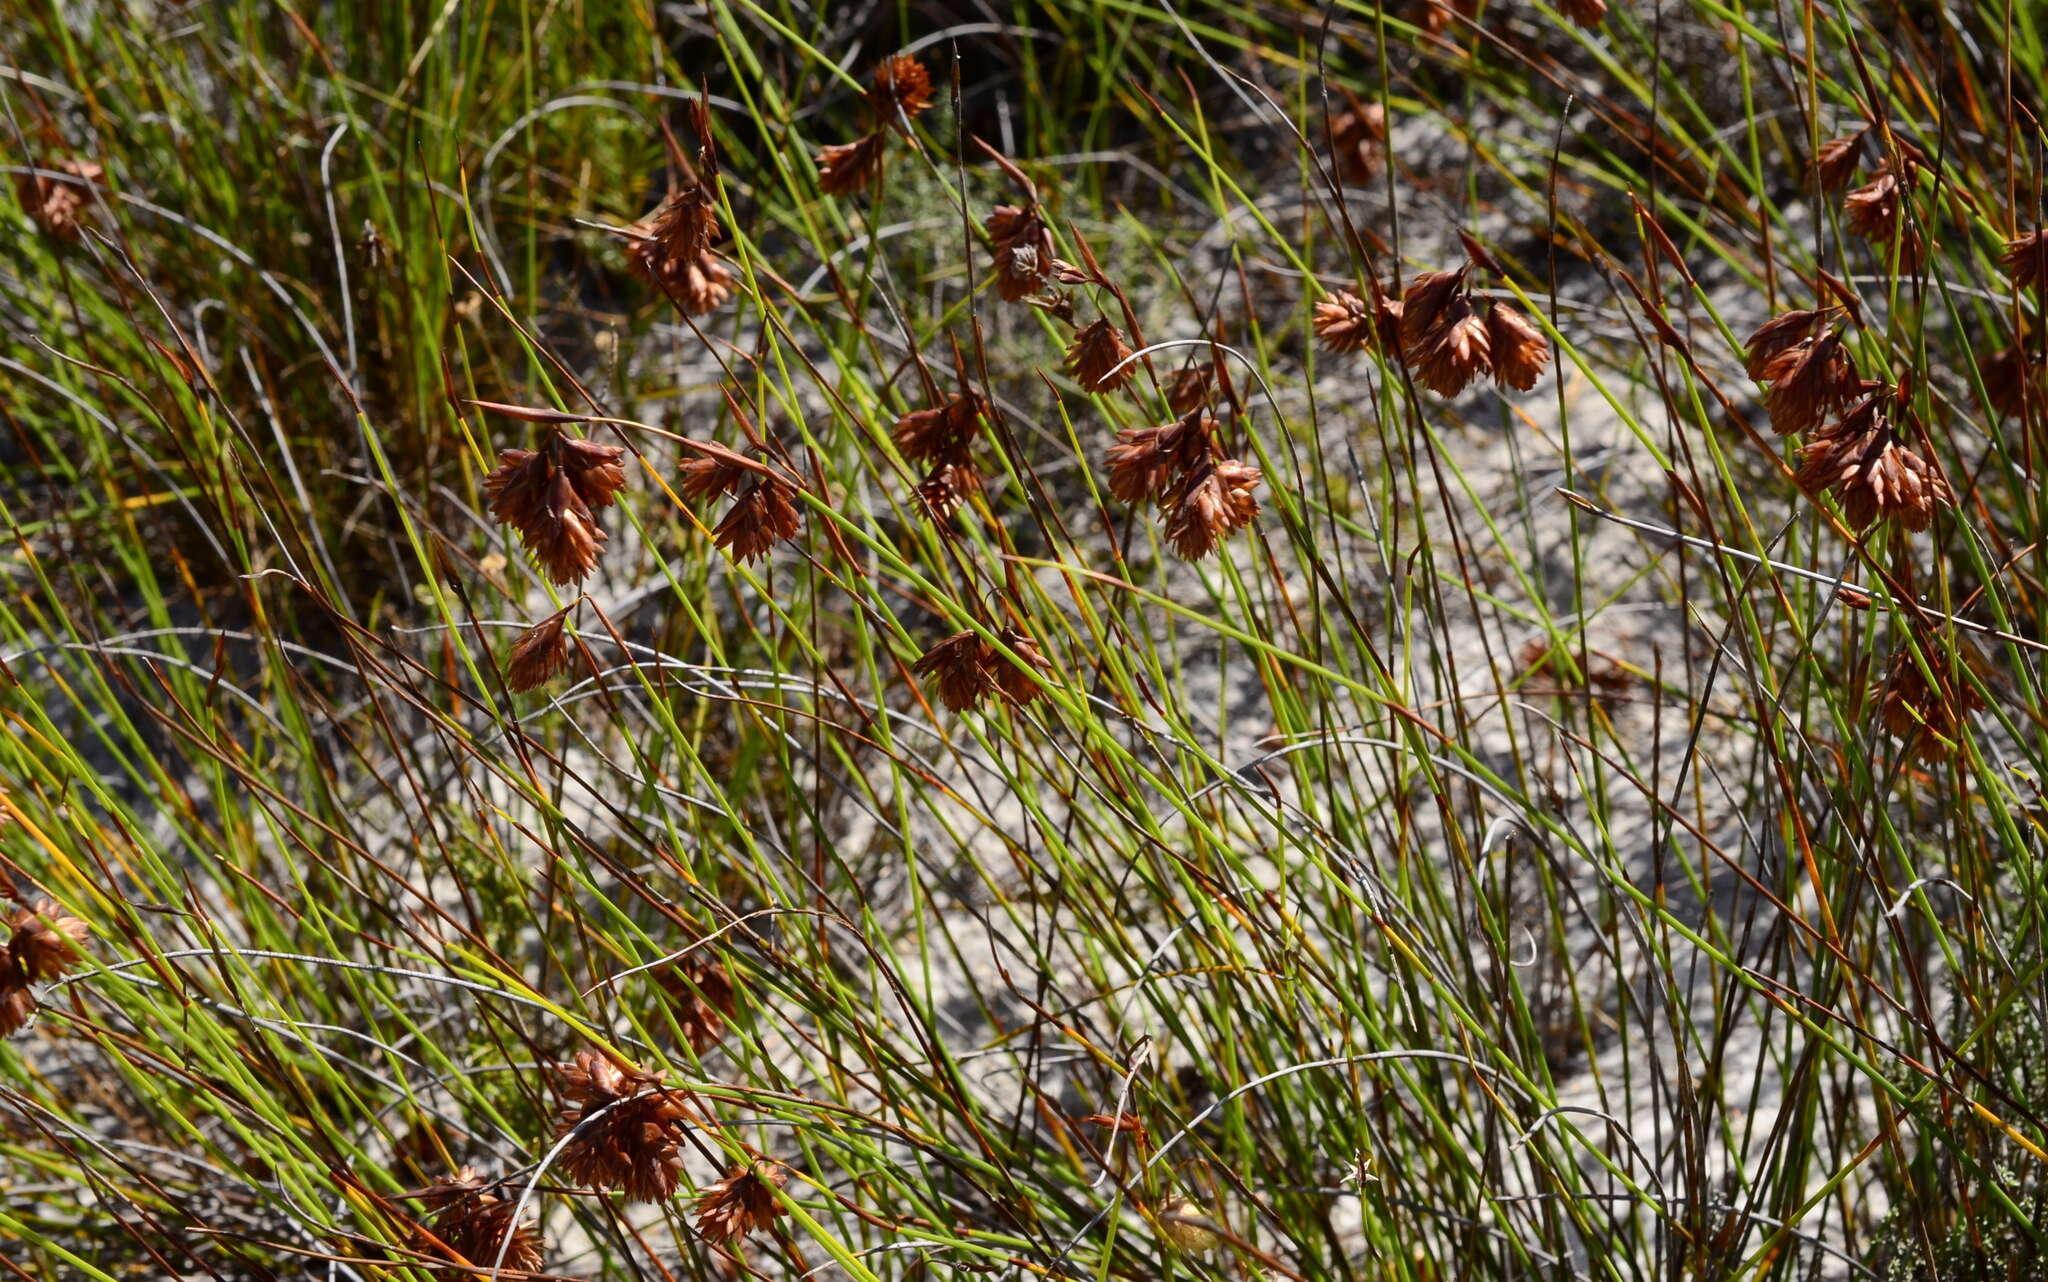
[744, 1201]
[763, 514]
[1874, 476]
[624, 1128]
[849, 166]
[1023, 249]
[1096, 358]
[1520, 351]
[901, 87]
[1836, 161]
[2013, 379]
[1209, 504]
[549, 496]
[539, 654]
[673, 249]
[1344, 322]
[1809, 379]
[472, 1224]
[700, 997]
[1358, 135]
[2026, 260]
[1928, 718]
[1447, 340]
[43, 944]
[967, 669]
[58, 206]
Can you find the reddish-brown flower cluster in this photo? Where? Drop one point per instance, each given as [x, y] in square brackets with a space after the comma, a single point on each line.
[1188, 389]
[1877, 210]
[672, 246]
[1022, 244]
[1928, 717]
[471, 1225]
[624, 1128]
[1358, 137]
[968, 669]
[1802, 356]
[1097, 357]
[1344, 322]
[1855, 447]
[763, 511]
[55, 205]
[700, 997]
[943, 438]
[1447, 340]
[2026, 260]
[2014, 379]
[539, 654]
[1838, 160]
[549, 496]
[745, 1200]
[1203, 496]
[1873, 476]
[43, 946]
[900, 91]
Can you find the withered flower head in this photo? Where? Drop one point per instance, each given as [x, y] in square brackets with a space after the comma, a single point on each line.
[1094, 356]
[932, 434]
[547, 496]
[707, 476]
[1808, 381]
[597, 471]
[1874, 209]
[672, 248]
[56, 205]
[1189, 388]
[1147, 463]
[680, 229]
[949, 483]
[901, 85]
[741, 1202]
[1928, 718]
[702, 285]
[539, 655]
[45, 941]
[1586, 13]
[1779, 333]
[700, 996]
[1213, 501]
[1458, 350]
[17, 1003]
[1835, 163]
[849, 166]
[1344, 322]
[2026, 259]
[1872, 475]
[961, 665]
[1518, 347]
[1020, 685]
[762, 516]
[627, 1128]
[470, 1226]
[1023, 249]
[1427, 305]
[2013, 378]
[1359, 135]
